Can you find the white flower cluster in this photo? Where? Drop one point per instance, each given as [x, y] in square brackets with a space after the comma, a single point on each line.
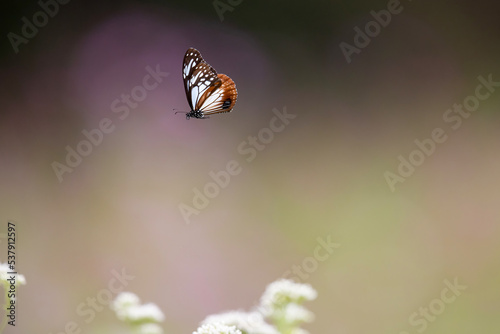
[217, 328]
[297, 313]
[248, 322]
[283, 292]
[144, 318]
[280, 303]
[4, 269]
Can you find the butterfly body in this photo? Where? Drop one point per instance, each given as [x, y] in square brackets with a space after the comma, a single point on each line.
[207, 92]
[195, 114]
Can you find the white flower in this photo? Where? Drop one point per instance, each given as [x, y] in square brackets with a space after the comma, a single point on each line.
[150, 328]
[4, 276]
[217, 328]
[144, 313]
[125, 300]
[20, 279]
[127, 308]
[282, 292]
[296, 314]
[248, 322]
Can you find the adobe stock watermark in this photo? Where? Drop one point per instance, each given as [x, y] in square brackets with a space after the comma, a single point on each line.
[120, 106]
[372, 29]
[29, 28]
[249, 149]
[222, 6]
[88, 309]
[426, 147]
[421, 318]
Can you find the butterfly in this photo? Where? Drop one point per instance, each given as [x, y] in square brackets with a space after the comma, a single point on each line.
[207, 92]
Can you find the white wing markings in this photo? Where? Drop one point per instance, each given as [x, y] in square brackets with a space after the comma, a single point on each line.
[215, 98]
[187, 68]
[194, 96]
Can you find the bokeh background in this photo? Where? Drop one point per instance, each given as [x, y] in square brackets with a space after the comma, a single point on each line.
[323, 175]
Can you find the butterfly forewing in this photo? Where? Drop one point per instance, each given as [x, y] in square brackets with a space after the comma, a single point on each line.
[192, 59]
[206, 91]
[202, 83]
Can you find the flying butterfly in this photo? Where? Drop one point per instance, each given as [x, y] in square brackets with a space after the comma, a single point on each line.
[207, 92]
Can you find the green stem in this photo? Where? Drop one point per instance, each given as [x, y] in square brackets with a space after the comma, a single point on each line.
[283, 327]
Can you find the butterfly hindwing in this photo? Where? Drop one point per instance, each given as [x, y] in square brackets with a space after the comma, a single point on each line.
[206, 91]
[221, 99]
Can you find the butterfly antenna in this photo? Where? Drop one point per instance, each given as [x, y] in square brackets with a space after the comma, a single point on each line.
[181, 111]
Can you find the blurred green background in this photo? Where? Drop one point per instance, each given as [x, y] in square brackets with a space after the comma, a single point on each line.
[323, 175]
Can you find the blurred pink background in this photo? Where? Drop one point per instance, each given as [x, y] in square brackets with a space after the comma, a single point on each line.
[323, 175]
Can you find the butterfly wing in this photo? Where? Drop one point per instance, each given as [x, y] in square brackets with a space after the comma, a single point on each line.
[198, 76]
[220, 97]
